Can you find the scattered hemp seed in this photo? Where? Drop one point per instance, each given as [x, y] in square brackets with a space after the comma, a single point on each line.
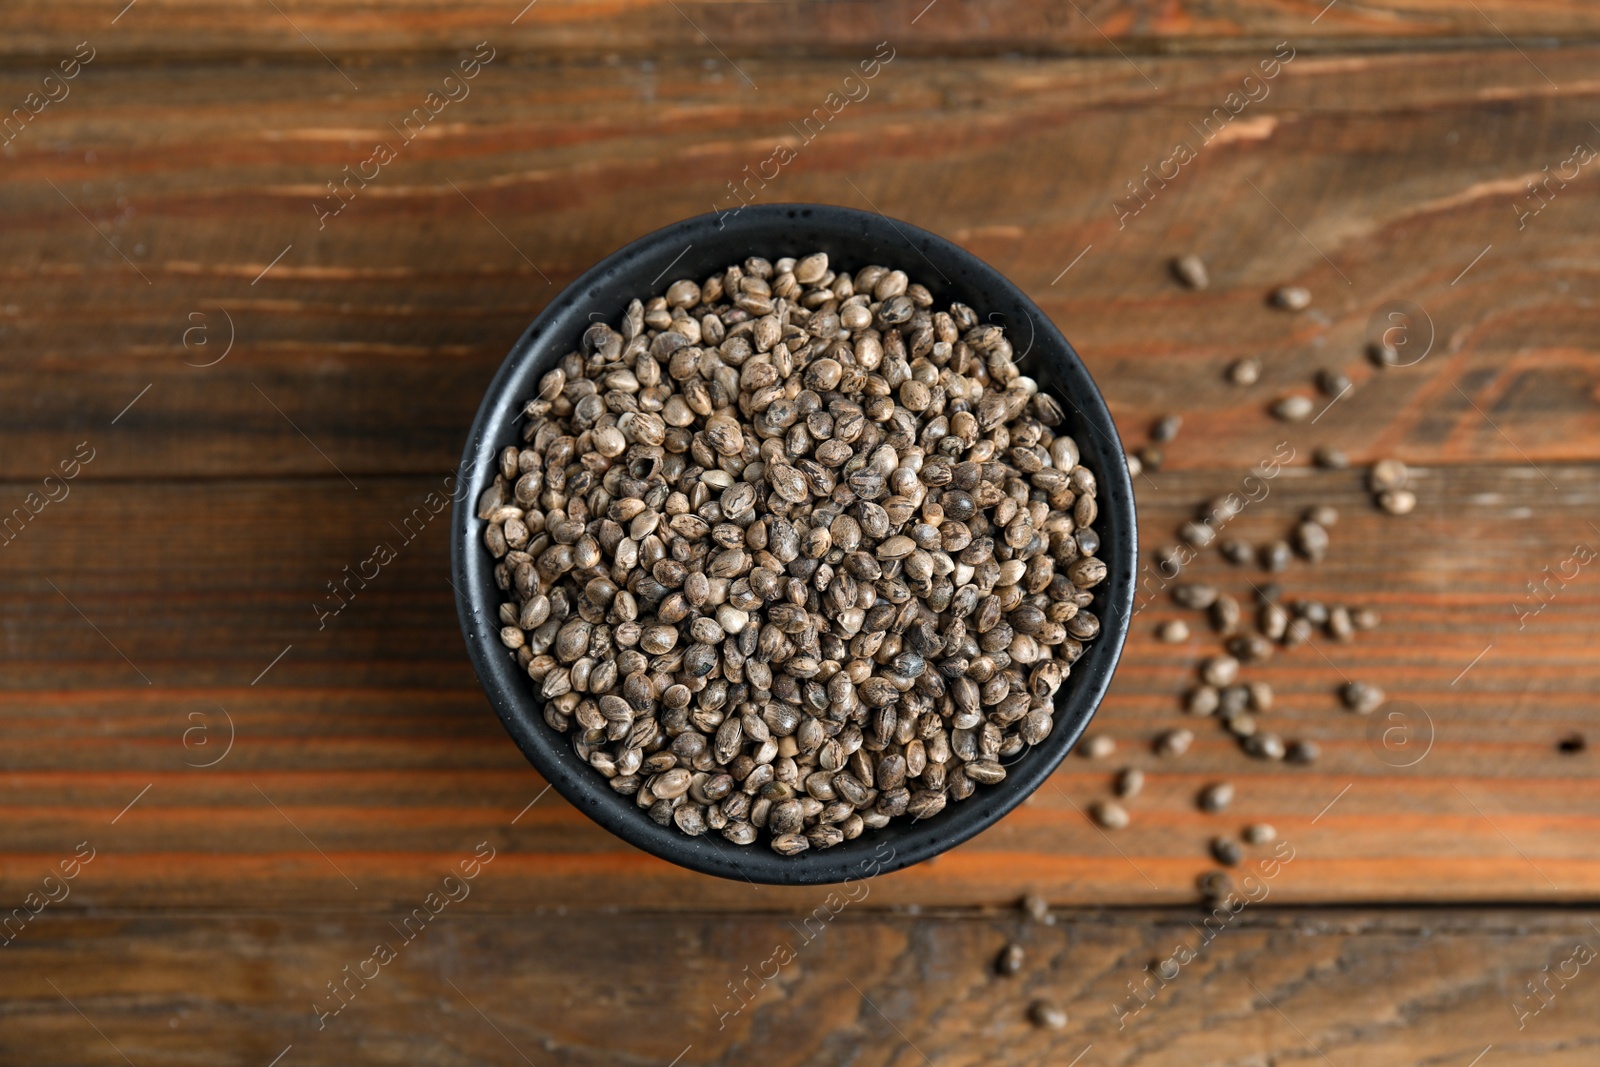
[1226, 851]
[1298, 632]
[1313, 611]
[1311, 539]
[1388, 474]
[1340, 626]
[1322, 515]
[1214, 885]
[1292, 297]
[1219, 671]
[1234, 699]
[1201, 701]
[1191, 271]
[1109, 814]
[1173, 631]
[1333, 459]
[1198, 534]
[1250, 648]
[1099, 746]
[1166, 428]
[1171, 558]
[1225, 615]
[1363, 698]
[1037, 909]
[1174, 742]
[1216, 797]
[1267, 746]
[1224, 509]
[1332, 382]
[1010, 959]
[1275, 556]
[1241, 707]
[1047, 1015]
[1294, 408]
[1303, 752]
[1237, 552]
[1397, 501]
[1151, 458]
[1195, 596]
[1272, 621]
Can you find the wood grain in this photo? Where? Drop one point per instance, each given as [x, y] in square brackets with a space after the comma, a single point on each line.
[714, 30]
[266, 791]
[174, 589]
[375, 336]
[371, 737]
[1267, 986]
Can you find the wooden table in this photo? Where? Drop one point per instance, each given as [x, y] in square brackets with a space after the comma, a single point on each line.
[249, 391]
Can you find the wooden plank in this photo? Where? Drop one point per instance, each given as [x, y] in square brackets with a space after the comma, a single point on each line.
[376, 335]
[840, 985]
[373, 742]
[715, 30]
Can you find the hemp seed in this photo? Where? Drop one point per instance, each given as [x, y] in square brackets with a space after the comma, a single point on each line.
[1362, 698]
[1174, 743]
[1166, 428]
[1292, 297]
[1109, 814]
[1173, 632]
[1047, 1015]
[1333, 459]
[1293, 408]
[1303, 751]
[1388, 474]
[1226, 851]
[1398, 501]
[1191, 271]
[1099, 746]
[1332, 382]
[1216, 797]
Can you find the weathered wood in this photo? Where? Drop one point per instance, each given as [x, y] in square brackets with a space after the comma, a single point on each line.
[264, 792]
[840, 985]
[373, 739]
[377, 334]
[714, 30]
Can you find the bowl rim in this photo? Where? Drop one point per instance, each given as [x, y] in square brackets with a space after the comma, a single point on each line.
[518, 708]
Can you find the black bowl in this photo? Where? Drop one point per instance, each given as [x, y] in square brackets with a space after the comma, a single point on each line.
[697, 248]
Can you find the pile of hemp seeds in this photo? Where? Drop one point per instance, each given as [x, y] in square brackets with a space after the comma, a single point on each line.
[790, 553]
